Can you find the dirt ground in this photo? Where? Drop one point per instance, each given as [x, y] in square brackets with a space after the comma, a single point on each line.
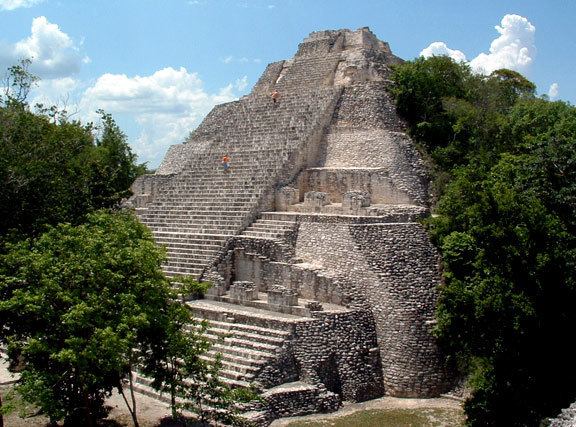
[153, 413]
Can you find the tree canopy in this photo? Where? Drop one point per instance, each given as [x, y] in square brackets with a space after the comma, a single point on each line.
[504, 163]
[83, 299]
[78, 305]
[53, 169]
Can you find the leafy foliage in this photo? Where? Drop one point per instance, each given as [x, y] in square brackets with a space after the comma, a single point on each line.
[54, 171]
[83, 299]
[80, 306]
[18, 83]
[505, 227]
[181, 369]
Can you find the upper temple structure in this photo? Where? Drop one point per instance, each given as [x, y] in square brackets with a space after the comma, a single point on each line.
[324, 280]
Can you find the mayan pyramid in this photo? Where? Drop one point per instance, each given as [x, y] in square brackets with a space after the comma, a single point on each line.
[324, 281]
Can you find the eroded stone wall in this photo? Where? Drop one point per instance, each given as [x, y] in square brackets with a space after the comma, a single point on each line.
[407, 266]
[392, 269]
[340, 351]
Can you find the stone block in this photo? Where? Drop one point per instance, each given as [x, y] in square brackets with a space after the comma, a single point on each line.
[354, 201]
[216, 290]
[282, 297]
[243, 291]
[314, 306]
[316, 199]
[286, 196]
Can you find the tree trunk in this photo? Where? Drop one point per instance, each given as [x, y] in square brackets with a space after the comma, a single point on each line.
[87, 410]
[173, 401]
[133, 412]
[132, 409]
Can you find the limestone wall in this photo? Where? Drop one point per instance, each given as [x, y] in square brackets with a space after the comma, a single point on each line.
[366, 132]
[403, 302]
[330, 246]
[393, 270]
[336, 183]
[367, 105]
[269, 77]
[180, 156]
[304, 278]
[567, 417]
[340, 351]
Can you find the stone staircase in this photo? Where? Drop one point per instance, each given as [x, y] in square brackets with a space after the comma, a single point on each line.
[273, 229]
[202, 206]
[248, 339]
[308, 71]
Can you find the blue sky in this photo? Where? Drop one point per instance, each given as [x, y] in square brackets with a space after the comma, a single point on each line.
[160, 66]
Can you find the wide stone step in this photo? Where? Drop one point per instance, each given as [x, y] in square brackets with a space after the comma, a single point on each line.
[182, 271]
[190, 228]
[261, 235]
[244, 371]
[189, 259]
[210, 206]
[191, 207]
[143, 386]
[185, 252]
[186, 216]
[243, 352]
[175, 246]
[242, 356]
[272, 224]
[263, 228]
[192, 237]
[239, 342]
[222, 311]
[196, 229]
[249, 329]
[186, 263]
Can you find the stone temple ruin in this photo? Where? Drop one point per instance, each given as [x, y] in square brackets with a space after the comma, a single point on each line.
[324, 280]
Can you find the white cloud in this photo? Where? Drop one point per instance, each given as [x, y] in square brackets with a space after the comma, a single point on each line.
[15, 4]
[53, 53]
[242, 60]
[553, 91]
[242, 83]
[166, 105]
[440, 49]
[54, 91]
[513, 49]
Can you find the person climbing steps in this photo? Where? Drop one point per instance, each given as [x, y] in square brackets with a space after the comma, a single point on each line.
[226, 162]
[275, 95]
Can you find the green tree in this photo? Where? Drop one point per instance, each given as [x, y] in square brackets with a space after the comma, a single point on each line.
[505, 170]
[54, 171]
[182, 370]
[114, 166]
[82, 306]
[42, 170]
[420, 87]
[18, 83]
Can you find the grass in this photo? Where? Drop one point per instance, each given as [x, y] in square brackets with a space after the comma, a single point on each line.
[425, 417]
